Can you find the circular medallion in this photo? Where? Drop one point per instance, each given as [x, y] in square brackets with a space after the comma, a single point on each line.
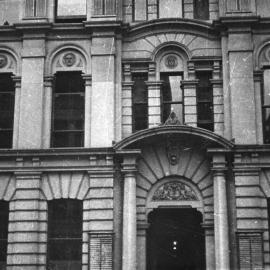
[3, 60]
[69, 59]
[171, 61]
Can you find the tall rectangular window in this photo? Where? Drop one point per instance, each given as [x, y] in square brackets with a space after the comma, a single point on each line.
[64, 234]
[201, 9]
[7, 97]
[4, 211]
[68, 110]
[139, 10]
[35, 8]
[70, 10]
[266, 105]
[205, 118]
[172, 96]
[104, 7]
[140, 101]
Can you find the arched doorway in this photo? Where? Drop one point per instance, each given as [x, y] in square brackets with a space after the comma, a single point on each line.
[175, 239]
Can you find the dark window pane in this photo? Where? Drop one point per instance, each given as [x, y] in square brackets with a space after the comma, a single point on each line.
[65, 234]
[266, 117]
[205, 101]
[68, 110]
[7, 92]
[140, 107]
[4, 212]
[201, 9]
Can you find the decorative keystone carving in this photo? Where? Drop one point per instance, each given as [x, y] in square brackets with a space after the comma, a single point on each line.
[69, 59]
[174, 191]
[3, 60]
[171, 61]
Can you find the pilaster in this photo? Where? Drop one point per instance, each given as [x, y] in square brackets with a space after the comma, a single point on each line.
[47, 113]
[87, 115]
[18, 85]
[28, 223]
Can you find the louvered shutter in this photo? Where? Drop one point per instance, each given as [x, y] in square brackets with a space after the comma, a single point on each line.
[101, 251]
[250, 251]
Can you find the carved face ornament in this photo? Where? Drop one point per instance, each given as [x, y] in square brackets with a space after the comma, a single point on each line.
[69, 59]
[3, 60]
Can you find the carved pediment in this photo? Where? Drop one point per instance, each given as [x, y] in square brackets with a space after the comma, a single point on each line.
[174, 191]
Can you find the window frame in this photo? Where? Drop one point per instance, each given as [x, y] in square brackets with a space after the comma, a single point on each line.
[11, 110]
[172, 102]
[266, 140]
[205, 100]
[54, 96]
[104, 9]
[51, 222]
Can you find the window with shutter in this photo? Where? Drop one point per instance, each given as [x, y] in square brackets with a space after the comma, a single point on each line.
[35, 8]
[250, 251]
[4, 211]
[64, 234]
[7, 98]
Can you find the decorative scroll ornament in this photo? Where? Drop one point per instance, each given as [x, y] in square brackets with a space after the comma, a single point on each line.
[171, 61]
[69, 59]
[174, 191]
[3, 61]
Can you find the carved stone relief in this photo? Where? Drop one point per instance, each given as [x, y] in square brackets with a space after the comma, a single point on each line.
[3, 60]
[7, 63]
[174, 191]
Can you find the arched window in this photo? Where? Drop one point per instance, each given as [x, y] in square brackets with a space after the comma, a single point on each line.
[7, 97]
[68, 110]
[201, 9]
[64, 234]
[4, 211]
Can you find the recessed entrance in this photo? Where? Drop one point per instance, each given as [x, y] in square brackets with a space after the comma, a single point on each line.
[175, 240]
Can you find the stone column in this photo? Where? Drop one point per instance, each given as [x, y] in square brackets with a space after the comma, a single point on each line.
[87, 114]
[47, 113]
[220, 213]
[17, 81]
[209, 245]
[141, 240]
[129, 213]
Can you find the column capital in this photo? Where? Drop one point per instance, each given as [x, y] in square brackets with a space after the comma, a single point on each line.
[129, 164]
[17, 80]
[219, 163]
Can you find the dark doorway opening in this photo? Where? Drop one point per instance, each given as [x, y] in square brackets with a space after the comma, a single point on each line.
[175, 240]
